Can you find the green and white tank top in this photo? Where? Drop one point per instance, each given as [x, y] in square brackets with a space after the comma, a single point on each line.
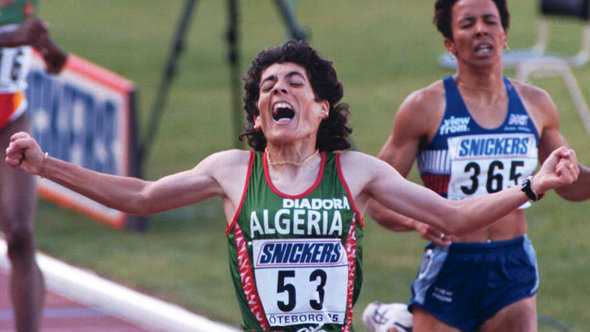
[295, 260]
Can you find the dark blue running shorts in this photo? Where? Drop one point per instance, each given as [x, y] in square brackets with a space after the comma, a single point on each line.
[464, 284]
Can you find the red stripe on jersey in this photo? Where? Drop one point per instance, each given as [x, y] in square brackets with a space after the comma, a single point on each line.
[248, 284]
[439, 183]
[351, 250]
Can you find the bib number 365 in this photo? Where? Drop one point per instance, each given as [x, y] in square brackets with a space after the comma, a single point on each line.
[494, 177]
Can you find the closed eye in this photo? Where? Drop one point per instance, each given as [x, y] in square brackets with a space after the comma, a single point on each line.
[266, 87]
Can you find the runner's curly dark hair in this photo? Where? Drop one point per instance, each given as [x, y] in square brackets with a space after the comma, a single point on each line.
[443, 16]
[333, 131]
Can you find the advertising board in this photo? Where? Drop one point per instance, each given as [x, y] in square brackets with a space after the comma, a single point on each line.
[84, 115]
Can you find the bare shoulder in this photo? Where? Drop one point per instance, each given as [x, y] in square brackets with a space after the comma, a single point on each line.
[354, 157]
[538, 103]
[233, 156]
[225, 161]
[359, 164]
[358, 170]
[530, 93]
[423, 99]
[421, 113]
[228, 169]
[363, 173]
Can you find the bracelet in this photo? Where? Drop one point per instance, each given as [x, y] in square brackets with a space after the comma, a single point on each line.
[42, 172]
[526, 188]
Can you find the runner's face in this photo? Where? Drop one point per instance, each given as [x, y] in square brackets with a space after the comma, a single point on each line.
[478, 35]
[287, 104]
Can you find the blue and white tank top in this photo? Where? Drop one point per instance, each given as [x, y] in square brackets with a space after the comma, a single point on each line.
[466, 160]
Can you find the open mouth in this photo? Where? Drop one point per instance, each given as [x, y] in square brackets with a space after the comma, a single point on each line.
[483, 48]
[282, 111]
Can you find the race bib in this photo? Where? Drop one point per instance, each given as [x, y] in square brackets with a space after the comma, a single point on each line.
[485, 164]
[301, 281]
[14, 66]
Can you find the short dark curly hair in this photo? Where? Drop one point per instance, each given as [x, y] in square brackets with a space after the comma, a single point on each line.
[334, 130]
[443, 15]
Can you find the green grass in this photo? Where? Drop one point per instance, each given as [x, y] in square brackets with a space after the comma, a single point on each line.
[382, 50]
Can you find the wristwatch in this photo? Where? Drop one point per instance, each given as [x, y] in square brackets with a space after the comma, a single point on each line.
[526, 188]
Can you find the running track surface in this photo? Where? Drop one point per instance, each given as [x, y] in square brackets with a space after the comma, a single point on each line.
[62, 314]
[79, 300]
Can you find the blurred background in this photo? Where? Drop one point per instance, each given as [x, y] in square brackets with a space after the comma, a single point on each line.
[382, 49]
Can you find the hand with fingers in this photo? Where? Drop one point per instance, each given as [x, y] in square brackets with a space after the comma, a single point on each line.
[23, 153]
[559, 169]
[432, 234]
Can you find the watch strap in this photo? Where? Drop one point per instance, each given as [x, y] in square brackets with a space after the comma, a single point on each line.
[528, 190]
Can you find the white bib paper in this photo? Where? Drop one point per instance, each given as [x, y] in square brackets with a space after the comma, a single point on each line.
[14, 66]
[301, 281]
[485, 164]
